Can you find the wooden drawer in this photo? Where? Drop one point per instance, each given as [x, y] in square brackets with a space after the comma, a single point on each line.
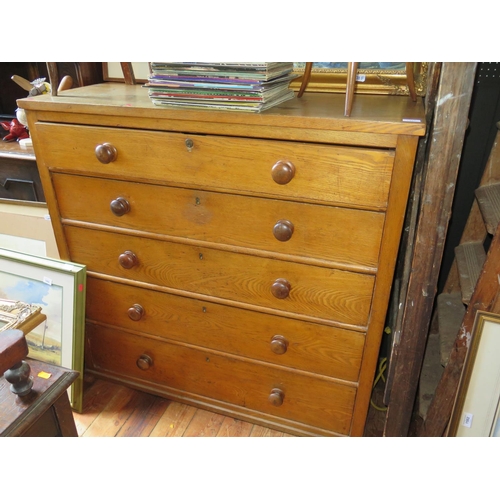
[315, 401]
[349, 176]
[331, 294]
[346, 236]
[306, 346]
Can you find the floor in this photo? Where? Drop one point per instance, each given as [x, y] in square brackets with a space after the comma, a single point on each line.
[113, 410]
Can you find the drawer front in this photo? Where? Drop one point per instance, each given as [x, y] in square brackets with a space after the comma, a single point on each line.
[351, 176]
[346, 236]
[315, 401]
[297, 344]
[287, 286]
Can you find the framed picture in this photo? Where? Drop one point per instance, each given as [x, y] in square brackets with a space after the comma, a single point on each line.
[17, 315]
[477, 408]
[112, 72]
[372, 77]
[58, 289]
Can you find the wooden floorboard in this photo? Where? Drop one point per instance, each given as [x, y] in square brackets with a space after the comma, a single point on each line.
[114, 415]
[144, 418]
[174, 421]
[232, 427]
[113, 410]
[204, 424]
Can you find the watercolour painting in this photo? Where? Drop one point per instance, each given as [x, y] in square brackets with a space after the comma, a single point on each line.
[58, 289]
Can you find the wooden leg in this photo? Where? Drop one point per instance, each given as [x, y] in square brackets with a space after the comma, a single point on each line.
[128, 73]
[65, 419]
[352, 69]
[410, 80]
[305, 78]
[53, 77]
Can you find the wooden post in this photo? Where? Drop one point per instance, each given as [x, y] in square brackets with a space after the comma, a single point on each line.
[128, 73]
[53, 77]
[445, 147]
[408, 239]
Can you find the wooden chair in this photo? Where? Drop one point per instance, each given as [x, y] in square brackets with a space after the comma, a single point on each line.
[352, 69]
[66, 82]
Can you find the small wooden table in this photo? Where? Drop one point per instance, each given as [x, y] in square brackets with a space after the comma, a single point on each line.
[46, 411]
[19, 177]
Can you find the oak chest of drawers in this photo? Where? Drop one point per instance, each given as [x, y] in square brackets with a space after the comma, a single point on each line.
[237, 262]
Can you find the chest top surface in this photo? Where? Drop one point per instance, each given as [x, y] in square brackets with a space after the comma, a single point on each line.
[130, 106]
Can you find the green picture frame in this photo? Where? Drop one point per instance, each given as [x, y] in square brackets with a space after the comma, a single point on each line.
[58, 288]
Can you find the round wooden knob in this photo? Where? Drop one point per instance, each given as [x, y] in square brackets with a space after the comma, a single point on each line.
[283, 172]
[120, 206]
[283, 230]
[279, 344]
[281, 288]
[276, 397]
[128, 259]
[19, 377]
[144, 362]
[106, 153]
[136, 312]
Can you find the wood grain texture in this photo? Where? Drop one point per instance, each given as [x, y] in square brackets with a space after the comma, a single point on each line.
[347, 176]
[347, 238]
[34, 413]
[332, 294]
[144, 418]
[315, 348]
[450, 122]
[174, 421]
[259, 431]
[391, 115]
[317, 401]
[49, 192]
[204, 424]
[108, 422]
[232, 427]
[392, 233]
[403, 270]
[198, 196]
[96, 397]
[155, 416]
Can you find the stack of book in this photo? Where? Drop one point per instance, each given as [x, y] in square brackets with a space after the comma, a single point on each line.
[251, 87]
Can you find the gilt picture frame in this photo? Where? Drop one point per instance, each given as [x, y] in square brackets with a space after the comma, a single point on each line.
[57, 289]
[17, 315]
[477, 406]
[387, 78]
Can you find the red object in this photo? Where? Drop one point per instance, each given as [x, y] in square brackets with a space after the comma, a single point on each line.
[16, 131]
